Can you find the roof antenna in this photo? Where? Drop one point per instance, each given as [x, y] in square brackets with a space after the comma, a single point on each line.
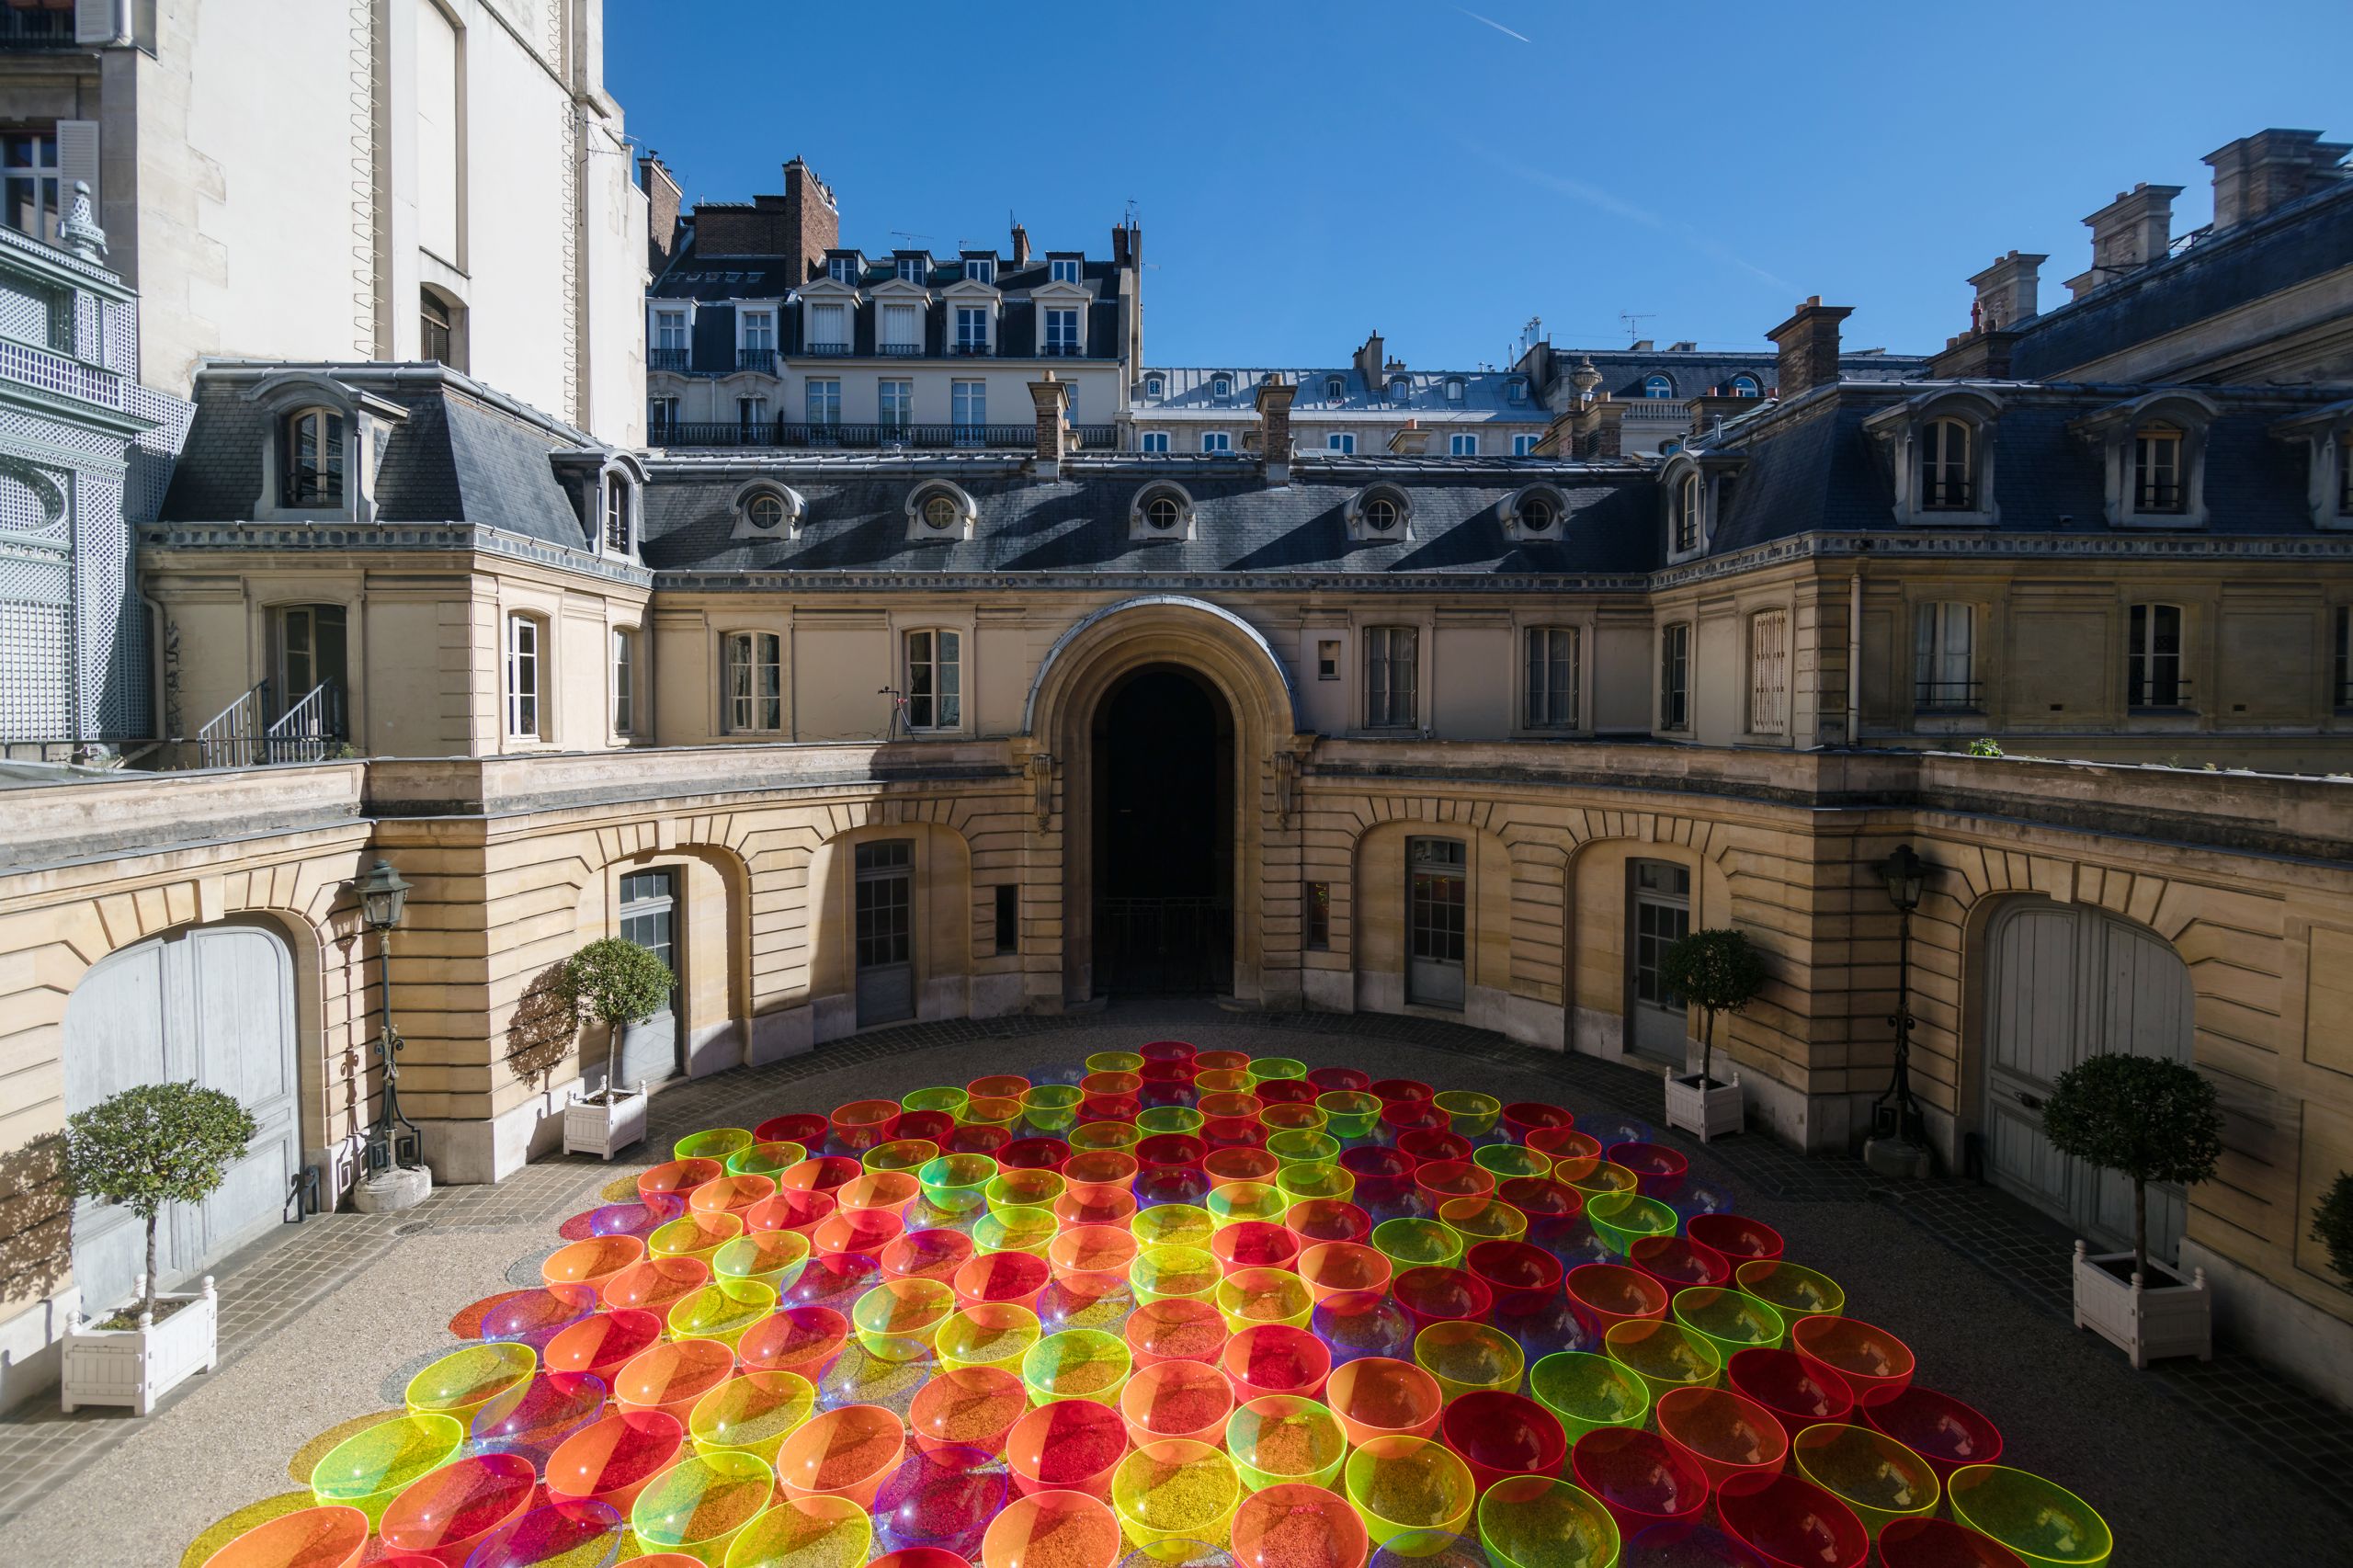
[1632, 320]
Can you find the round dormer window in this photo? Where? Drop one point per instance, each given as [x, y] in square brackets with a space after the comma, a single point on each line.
[1536, 515]
[1163, 513]
[766, 512]
[939, 513]
[1380, 513]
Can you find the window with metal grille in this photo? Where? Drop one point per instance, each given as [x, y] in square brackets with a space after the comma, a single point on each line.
[661, 419]
[755, 683]
[1062, 332]
[1392, 673]
[1946, 480]
[1943, 655]
[2153, 674]
[1436, 908]
[624, 681]
[1768, 672]
[934, 680]
[1675, 675]
[525, 636]
[1315, 911]
[1008, 918]
[2157, 469]
[314, 458]
[1551, 680]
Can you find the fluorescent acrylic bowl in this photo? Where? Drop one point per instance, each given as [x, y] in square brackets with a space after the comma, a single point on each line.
[657, 1283]
[1160, 1272]
[987, 1334]
[713, 1144]
[848, 1452]
[1409, 1242]
[672, 1375]
[611, 1461]
[1730, 1320]
[1235, 1203]
[1604, 1295]
[461, 1382]
[1464, 1357]
[946, 1098]
[773, 1258]
[1078, 1363]
[1250, 1296]
[1348, 1114]
[532, 1317]
[1177, 1398]
[1789, 1288]
[1640, 1478]
[1873, 1364]
[1294, 1525]
[1408, 1484]
[1274, 1357]
[722, 1310]
[1175, 1489]
[1430, 1294]
[1172, 1224]
[1178, 1328]
[1053, 1529]
[1239, 1162]
[1484, 1217]
[1254, 1243]
[578, 1272]
[325, 1537]
[1281, 1439]
[730, 1195]
[751, 1413]
[1735, 1236]
[804, 1532]
[1621, 1218]
[934, 1253]
[695, 1234]
[371, 1467]
[1537, 1521]
[1330, 1267]
[556, 1535]
[1678, 1262]
[1356, 1324]
[802, 1340]
[1374, 1397]
[538, 1413]
[1070, 1445]
[677, 1180]
[967, 1408]
[1586, 1391]
[701, 1504]
[1869, 1472]
[1015, 1229]
[1791, 1523]
[1724, 1433]
[1938, 1427]
[447, 1512]
[1663, 1355]
[1941, 1543]
[1003, 1275]
[2039, 1520]
[886, 1191]
[957, 1184]
[1315, 1219]
[1496, 1434]
[1799, 1395]
[941, 1497]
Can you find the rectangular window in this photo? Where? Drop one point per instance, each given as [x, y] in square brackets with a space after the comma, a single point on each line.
[2152, 676]
[968, 402]
[2344, 687]
[750, 418]
[1943, 653]
[1315, 914]
[1944, 467]
[822, 399]
[1327, 659]
[661, 419]
[670, 330]
[911, 269]
[523, 653]
[841, 269]
[28, 166]
[980, 269]
[1674, 677]
[755, 683]
[1392, 674]
[616, 517]
[1062, 333]
[901, 330]
[1436, 920]
[624, 682]
[1216, 441]
[759, 328]
[895, 403]
[1341, 442]
[971, 330]
[1008, 918]
[1152, 441]
[2156, 471]
[1063, 271]
[1462, 446]
[1687, 498]
[1552, 663]
[1768, 672]
[935, 681]
[1524, 446]
[314, 458]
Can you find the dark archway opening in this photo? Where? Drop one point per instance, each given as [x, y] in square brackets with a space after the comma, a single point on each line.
[1164, 837]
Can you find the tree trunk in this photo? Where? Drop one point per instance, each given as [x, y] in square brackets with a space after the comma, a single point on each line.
[1707, 1046]
[2140, 1229]
[612, 1042]
[147, 1308]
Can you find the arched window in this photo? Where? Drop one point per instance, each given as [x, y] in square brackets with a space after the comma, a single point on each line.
[1658, 386]
[1154, 386]
[614, 492]
[314, 458]
[1689, 498]
[1947, 466]
[1537, 514]
[1515, 389]
[1744, 386]
[526, 674]
[1334, 389]
[1222, 386]
[1454, 390]
[2158, 474]
[1163, 512]
[1401, 390]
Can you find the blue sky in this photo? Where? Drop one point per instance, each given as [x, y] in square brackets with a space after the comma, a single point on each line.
[1307, 173]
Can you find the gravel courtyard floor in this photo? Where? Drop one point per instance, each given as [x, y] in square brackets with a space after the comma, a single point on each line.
[324, 1322]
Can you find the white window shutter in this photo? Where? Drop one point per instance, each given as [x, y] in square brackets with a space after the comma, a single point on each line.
[78, 159]
[97, 21]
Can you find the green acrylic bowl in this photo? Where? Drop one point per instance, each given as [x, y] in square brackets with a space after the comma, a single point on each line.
[1586, 1392]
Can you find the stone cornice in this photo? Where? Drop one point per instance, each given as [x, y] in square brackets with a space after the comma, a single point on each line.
[479, 539]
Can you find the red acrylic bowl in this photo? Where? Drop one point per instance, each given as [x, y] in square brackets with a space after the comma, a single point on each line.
[1941, 1543]
[1678, 1262]
[1791, 1523]
[806, 1127]
[1724, 1433]
[1275, 1358]
[1385, 1175]
[1659, 1171]
[1033, 1154]
[1168, 1051]
[1431, 1293]
[1069, 1445]
[797, 1209]
[1519, 1277]
[1564, 1142]
[1318, 1220]
[1523, 1117]
[1938, 1427]
[1873, 1364]
[1166, 1150]
[1399, 1118]
[602, 1343]
[656, 1283]
[1233, 1133]
[445, 1514]
[978, 1138]
[1254, 1243]
[1016, 1277]
[1737, 1236]
[1333, 1080]
[1640, 1478]
[1166, 1083]
[931, 1126]
[1498, 1434]
[1603, 1295]
[1409, 1089]
[1172, 1184]
[1285, 1091]
[926, 1254]
[610, 1461]
[806, 1341]
[1798, 1395]
[1438, 1180]
[1426, 1143]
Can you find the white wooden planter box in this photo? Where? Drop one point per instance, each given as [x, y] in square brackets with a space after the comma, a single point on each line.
[2161, 1317]
[1709, 1112]
[604, 1131]
[139, 1366]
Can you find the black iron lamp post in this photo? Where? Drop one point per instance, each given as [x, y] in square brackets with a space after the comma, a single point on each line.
[384, 894]
[1896, 1110]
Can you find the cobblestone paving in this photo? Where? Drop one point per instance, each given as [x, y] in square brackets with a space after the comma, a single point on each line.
[2154, 1450]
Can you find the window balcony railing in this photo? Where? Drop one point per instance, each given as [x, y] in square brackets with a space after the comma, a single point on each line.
[24, 26]
[826, 350]
[760, 359]
[1947, 495]
[2159, 496]
[2161, 694]
[668, 359]
[1945, 696]
[1095, 438]
[1061, 351]
[899, 350]
[971, 350]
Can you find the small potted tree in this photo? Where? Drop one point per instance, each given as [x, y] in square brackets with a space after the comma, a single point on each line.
[148, 1146]
[617, 982]
[1716, 972]
[2332, 1226]
[2148, 1120]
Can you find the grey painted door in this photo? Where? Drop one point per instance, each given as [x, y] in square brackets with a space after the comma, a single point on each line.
[2063, 983]
[649, 1050]
[215, 1005]
[885, 935]
[1660, 915]
[1436, 925]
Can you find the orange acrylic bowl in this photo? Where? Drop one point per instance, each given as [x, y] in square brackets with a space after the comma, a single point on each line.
[848, 1452]
[1293, 1524]
[655, 1284]
[1177, 1328]
[996, 1111]
[1330, 1267]
[883, 1192]
[578, 1272]
[1274, 1357]
[1315, 1219]
[967, 1407]
[1177, 1398]
[672, 1374]
[1094, 1203]
[1375, 1396]
[1253, 1243]
[753, 1413]
[856, 1230]
[610, 1461]
[1603, 1295]
[1067, 1445]
[730, 1195]
[1010, 1276]
[1723, 1433]
[1091, 1260]
[998, 1087]
[1053, 1529]
[701, 1504]
[445, 1513]
[332, 1536]
[861, 1124]
[602, 1343]
[673, 1182]
[792, 1208]
[803, 1340]
[1240, 1162]
[1873, 1364]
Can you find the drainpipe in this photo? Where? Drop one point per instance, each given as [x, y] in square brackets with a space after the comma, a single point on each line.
[1855, 658]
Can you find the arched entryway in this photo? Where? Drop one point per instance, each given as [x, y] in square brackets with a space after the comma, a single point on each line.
[1164, 833]
[2064, 981]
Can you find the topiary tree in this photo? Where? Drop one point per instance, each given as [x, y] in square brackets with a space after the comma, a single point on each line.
[1716, 972]
[154, 1144]
[2143, 1116]
[2332, 1226]
[617, 980]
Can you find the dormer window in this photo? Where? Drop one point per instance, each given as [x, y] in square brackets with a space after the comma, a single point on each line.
[842, 269]
[1163, 513]
[616, 514]
[1401, 391]
[2158, 478]
[1154, 387]
[939, 513]
[911, 269]
[980, 269]
[314, 460]
[1062, 270]
[1658, 386]
[1454, 390]
[1947, 471]
[1220, 386]
[1689, 503]
[1941, 446]
[1744, 386]
[766, 512]
[1515, 389]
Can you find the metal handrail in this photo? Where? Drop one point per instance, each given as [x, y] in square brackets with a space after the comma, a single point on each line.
[305, 731]
[232, 738]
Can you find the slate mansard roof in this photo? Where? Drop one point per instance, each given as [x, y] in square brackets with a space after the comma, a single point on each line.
[1190, 390]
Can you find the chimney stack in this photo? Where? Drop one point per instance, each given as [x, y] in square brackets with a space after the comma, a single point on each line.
[1020, 246]
[1273, 398]
[1052, 399]
[2270, 168]
[1809, 346]
[2008, 292]
[1368, 362]
[2128, 234]
[812, 219]
[661, 201]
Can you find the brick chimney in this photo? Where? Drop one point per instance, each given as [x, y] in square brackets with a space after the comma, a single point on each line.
[1368, 362]
[661, 201]
[1273, 398]
[1715, 405]
[810, 216]
[2257, 173]
[803, 223]
[2128, 234]
[1052, 399]
[1809, 346]
[1020, 246]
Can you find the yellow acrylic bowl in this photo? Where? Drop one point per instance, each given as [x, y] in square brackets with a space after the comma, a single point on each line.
[1239, 1200]
[1264, 1067]
[1160, 1273]
[1663, 1355]
[1051, 1107]
[751, 1413]
[1879, 1478]
[1077, 1363]
[1585, 1391]
[1469, 1114]
[2039, 1520]
[461, 1383]
[957, 1184]
[1248, 1297]
[899, 1319]
[1409, 1242]
[813, 1530]
[1463, 1356]
[1279, 1438]
[1023, 1189]
[696, 1234]
[1789, 1288]
[701, 1504]
[1175, 1489]
[721, 1310]
[773, 1258]
[1314, 1179]
[374, 1465]
[1349, 1113]
[1302, 1146]
[1152, 1120]
[987, 1334]
[1015, 1229]
[1115, 1062]
[1172, 1224]
[1536, 1521]
[1408, 1484]
[1730, 1320]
